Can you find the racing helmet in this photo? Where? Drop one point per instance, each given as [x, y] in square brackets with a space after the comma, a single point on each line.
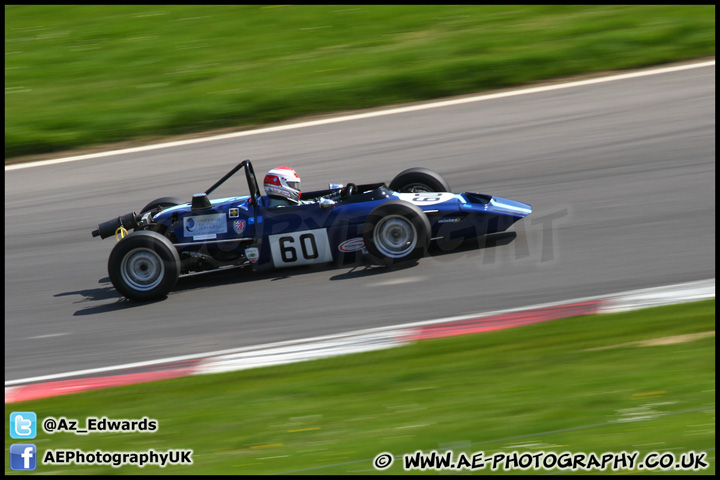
[282, 182]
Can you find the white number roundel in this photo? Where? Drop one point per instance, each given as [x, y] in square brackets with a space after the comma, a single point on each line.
[426, 198]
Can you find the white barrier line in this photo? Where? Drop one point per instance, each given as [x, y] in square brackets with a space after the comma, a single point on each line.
[261, 349]
[654, 297]
[359, 116]
[299, 353]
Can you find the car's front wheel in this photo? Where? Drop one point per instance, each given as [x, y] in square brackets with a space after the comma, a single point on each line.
[415, 180]
[396, 232]
[144, 266]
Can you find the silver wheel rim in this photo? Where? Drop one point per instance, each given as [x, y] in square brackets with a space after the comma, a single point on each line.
[395, 236]
[142, 269]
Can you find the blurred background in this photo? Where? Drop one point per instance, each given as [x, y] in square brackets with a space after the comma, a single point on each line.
[86, 75]
[625, 169]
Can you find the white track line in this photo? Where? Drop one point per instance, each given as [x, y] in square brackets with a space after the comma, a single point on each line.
[379, 336]
[653, 297]
[347, 118]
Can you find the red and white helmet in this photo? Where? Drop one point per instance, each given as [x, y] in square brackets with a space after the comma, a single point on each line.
[282, 182]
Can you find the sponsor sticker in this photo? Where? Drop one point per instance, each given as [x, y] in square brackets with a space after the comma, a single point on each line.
[352, 245]
[449, 220]
[204, 237]
[239, 226]
[234, 212]
[202, 225]
[252, 254]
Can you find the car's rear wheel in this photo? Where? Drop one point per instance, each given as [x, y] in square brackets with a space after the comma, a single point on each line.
[396, 232]
[144, 266]
[163, 203]
[418, 180]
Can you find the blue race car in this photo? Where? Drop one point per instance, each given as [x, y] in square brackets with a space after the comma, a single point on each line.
[387, 224]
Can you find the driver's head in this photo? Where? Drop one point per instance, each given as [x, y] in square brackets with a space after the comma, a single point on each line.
[282, 182]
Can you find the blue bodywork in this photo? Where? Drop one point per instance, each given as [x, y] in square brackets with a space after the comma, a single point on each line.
[309, 234]
[246, 231]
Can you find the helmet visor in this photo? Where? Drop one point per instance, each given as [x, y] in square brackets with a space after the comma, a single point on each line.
[294, 185]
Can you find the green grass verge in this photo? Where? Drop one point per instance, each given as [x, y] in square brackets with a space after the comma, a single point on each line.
[81, 75]
[540, 387]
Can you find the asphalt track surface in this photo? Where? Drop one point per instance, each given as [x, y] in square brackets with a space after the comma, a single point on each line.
[621, 177]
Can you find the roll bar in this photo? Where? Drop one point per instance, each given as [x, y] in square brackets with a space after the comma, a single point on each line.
[249, 175]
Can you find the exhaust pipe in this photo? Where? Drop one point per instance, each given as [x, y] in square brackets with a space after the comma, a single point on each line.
[108, 229]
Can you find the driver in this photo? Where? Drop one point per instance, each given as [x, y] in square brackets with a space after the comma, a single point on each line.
[282, 185]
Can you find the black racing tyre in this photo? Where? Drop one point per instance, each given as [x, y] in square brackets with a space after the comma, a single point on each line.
[414, 180]
[163, 202]
[396, 232]
[144, 266]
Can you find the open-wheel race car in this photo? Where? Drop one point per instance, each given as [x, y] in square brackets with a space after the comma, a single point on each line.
[388, 224]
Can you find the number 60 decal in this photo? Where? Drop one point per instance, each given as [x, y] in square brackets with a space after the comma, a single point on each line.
[300, 248]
